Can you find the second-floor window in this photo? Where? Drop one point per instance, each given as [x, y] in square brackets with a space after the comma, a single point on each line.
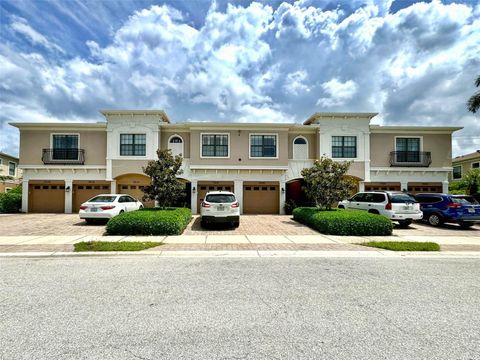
[65, 146]
[344, 146]
[214, 145]
[133, 144]
[475, 165]
[263, 146]
[457, 172]
[12, 167]
[408, 149]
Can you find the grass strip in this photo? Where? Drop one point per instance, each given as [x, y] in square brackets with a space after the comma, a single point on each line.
[403, 245]
[114, 246]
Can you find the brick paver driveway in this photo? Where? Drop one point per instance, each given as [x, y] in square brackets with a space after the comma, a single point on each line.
[253, 225]
[70, 224]
[47, 224]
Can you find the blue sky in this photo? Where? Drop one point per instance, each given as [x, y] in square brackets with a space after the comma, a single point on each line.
[274, 61]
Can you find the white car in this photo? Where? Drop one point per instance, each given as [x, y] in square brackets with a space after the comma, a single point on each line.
[106, 206]
[220, 207]
[397, 206]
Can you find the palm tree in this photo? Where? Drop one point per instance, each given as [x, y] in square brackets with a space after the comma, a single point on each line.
[473, 103]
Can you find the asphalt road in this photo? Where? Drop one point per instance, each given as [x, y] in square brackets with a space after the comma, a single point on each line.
[281, 308]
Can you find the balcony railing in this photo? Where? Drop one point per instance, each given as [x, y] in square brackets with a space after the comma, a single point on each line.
[410, 158]
[63, 156]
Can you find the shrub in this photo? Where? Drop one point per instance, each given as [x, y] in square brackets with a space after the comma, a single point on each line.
[11, 202]
[343, 222]
[150, 222]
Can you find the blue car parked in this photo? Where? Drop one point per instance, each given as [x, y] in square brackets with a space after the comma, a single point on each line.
[443, 208]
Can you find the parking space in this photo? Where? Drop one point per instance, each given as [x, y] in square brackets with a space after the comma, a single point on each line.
[71, 225]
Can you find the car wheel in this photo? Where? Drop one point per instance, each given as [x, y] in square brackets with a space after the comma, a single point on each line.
[140, 207]
[405, 223]
[341, 207]
[465, 225]
[203, 224]
[236, 224]
[89, 221]
[121, 212]
[375, 212]
[435, 220]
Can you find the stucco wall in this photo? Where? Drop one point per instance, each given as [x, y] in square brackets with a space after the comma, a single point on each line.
[239, 149]
[122, 167]
[439, 145]
[32, 142]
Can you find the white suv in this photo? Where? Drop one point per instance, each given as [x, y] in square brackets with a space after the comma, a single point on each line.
[397, 206]
[220, 207]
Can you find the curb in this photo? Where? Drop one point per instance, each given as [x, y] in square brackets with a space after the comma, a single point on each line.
[252, 254]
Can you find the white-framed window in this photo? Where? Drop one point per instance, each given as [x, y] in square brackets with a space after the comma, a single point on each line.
[133, 144]
[408, 149]
[344, 147]
[215, 145]
[457, 172]
[12, 168]
[475, 165]
[65, 146]
[263, 146]
[175, 144]
[300, 148]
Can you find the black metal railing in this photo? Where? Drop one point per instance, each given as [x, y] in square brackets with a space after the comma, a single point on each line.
[411, 158]
[63, 156]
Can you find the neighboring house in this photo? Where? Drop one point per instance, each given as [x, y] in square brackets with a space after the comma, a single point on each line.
[64, 164]
[464, 163]
[9, 168]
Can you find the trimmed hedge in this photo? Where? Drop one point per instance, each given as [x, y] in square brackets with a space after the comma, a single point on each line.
[343, 222]
[150, 222]
[11, 202]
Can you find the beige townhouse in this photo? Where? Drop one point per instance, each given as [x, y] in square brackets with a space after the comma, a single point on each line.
[463, 164]
[65, 164]
[10, 173]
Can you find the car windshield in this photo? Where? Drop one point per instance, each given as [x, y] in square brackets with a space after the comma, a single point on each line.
[467, 199]
[103, 198]
[402, 198]
[220, 198]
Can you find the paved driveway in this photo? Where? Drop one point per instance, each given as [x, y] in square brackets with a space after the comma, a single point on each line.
[70, 224]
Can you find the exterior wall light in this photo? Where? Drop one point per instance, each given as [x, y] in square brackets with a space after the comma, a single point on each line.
[194, 189]
[283, 190]
[67, 189]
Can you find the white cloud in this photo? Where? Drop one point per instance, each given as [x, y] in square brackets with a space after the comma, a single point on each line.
[338, 93]
[254, 63]
[21, 26]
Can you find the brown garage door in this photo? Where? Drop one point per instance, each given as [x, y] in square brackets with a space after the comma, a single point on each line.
[260, 198]
[205, 187]
[46, 198]
[417, 187]
[385, 186]
[82, 191]
[132, 184]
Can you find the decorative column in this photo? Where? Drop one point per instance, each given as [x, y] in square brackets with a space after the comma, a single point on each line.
[238, 190]
[25, 196]
[404, 185]
[445, 187]
[193, 200]
[361, 186]
[68, 196]
[113, 187]
[283, 196]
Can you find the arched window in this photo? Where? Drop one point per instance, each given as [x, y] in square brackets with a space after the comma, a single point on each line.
[176, 140]
[300, 148]
[175, 144]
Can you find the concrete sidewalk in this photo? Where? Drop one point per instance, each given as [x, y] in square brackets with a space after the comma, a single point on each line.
[261, 245]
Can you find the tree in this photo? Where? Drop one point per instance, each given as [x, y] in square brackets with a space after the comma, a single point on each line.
[471, 181]
[5, 178]
[165, 187]
[327, 182]
[473, 103]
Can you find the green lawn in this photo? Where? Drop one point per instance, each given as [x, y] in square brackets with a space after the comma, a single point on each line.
[114, 246]
[403, 245]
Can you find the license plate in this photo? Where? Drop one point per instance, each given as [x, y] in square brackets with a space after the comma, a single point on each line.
[407, 207]
[93, 209]
[470, 210]
[221, 208]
